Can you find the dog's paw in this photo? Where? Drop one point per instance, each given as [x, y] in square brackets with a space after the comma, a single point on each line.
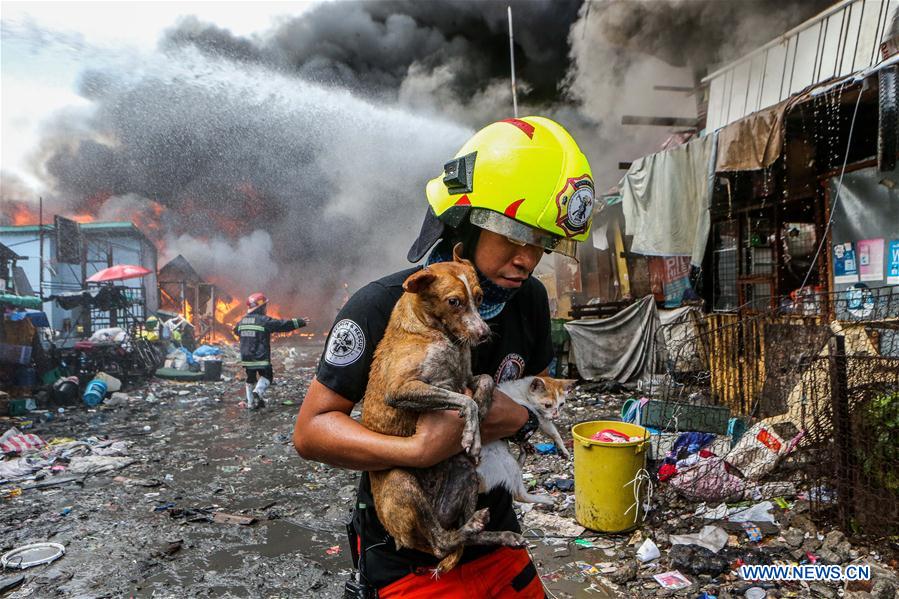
[565, 453]
[511, 539]
[472, 444]
[477, 522]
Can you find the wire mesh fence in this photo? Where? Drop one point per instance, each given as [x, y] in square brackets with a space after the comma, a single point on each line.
[814, 383]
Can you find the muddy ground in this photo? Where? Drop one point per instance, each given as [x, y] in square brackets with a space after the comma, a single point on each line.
[150, 529]
[145, 530]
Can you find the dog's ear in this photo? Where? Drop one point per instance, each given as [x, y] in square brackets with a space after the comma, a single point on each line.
[418, 281]
[457, 253]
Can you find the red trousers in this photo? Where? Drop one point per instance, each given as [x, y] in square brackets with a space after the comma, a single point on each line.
[502, 574]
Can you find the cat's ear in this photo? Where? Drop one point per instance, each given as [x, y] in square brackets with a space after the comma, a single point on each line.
[537, 384]
[569, 384]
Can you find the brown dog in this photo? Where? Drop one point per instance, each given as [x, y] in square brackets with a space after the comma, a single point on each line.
[424, 363]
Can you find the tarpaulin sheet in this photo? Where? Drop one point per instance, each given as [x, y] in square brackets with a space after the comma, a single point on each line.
[665, 198]
[624, 348]
[680, 329]
[753, 142]
[21, 301]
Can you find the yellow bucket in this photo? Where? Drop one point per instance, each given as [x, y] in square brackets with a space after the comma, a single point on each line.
[604, 476]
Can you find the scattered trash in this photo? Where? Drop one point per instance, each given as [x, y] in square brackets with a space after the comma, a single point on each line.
[648, 551]
[551, 524]
[760, 512]
[586, 544]
[164, 507]
[753, 533]
[117, 399]
[561, 484]
[545, 448]
[13, 441]
[34, 554]
[759, 450]
[712, 538]
[755, 593]
[697, 560]
[223, 518]
[333, 550]
[112, 383]
[672, 580]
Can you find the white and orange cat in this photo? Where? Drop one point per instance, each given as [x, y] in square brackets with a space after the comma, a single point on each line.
[545, 397]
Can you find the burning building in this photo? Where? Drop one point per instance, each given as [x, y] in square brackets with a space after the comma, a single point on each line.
[210, 309]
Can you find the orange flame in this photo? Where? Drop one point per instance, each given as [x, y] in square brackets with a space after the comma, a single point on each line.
[19, 213]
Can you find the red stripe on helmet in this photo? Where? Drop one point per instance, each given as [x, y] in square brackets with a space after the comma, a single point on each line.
[512, 209]
[463, 201]
[523, 125]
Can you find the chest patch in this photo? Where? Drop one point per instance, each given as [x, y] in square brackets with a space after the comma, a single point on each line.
[346, 344]
[510, 369]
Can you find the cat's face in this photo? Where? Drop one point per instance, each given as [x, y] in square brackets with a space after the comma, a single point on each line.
[548, 395]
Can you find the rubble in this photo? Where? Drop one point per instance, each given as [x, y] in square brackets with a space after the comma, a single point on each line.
[148, 477]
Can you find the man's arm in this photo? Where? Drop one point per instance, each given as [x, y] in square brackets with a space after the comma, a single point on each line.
[275, 325]
[325, 432]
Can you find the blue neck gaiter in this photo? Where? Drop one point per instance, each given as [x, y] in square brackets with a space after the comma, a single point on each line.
[495, 297]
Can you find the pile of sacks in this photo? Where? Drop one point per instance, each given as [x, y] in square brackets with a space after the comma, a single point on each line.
[700, 475]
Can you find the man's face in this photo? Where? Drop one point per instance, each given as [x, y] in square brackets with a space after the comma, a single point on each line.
[504, 262]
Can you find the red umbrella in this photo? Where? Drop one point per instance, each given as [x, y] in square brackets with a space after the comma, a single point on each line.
[119, 272]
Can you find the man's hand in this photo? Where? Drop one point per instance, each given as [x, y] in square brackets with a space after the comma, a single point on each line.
[438, 436]
[504, 418]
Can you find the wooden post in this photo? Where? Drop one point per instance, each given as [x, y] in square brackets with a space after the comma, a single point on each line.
[623, 278]
[842, 428]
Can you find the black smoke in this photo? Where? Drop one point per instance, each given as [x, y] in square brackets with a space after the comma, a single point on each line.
[295, 160]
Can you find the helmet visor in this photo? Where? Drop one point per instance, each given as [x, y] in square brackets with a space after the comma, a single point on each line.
[521, 233]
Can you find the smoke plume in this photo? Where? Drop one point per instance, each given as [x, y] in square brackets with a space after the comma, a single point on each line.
[295, 160]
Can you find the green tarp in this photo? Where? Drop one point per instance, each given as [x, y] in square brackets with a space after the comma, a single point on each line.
[21, 301]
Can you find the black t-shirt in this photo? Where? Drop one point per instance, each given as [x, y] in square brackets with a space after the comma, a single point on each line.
[520, 346]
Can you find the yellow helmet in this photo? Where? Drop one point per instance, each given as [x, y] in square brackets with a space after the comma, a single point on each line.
[523, 178]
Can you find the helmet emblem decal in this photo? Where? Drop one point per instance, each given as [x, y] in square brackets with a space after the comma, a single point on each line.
[463, 201]
[523, 125]
[575, 205]
[512, 209]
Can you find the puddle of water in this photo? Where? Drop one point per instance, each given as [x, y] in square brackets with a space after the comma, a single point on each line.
[284, 537]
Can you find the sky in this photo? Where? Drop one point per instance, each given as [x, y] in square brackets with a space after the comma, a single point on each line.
[35, 84]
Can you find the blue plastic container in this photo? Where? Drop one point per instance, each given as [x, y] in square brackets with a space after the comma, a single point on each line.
[94, 392]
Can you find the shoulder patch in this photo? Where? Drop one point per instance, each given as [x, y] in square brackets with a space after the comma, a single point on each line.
[346, 344]
[510, 369]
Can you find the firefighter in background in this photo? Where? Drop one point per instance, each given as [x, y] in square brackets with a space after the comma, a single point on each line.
[151, 330]
[255, 332]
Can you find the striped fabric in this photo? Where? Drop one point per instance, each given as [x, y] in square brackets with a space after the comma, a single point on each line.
[17, 443]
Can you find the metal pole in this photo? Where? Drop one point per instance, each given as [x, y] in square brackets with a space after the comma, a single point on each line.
[212, 303]
[40, 234]
[512, 62]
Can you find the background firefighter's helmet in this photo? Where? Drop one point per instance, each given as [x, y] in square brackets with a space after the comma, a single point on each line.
[523, 178]
[256, 301]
